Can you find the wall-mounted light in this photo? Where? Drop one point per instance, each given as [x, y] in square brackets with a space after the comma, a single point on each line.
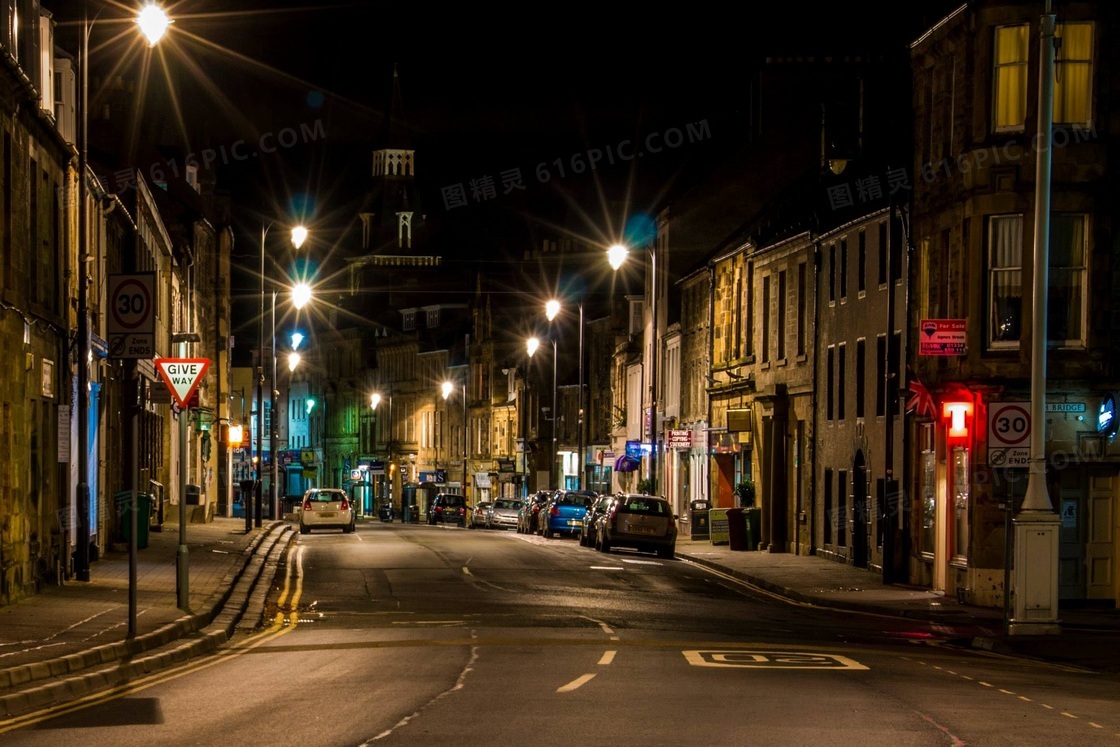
[959, 415]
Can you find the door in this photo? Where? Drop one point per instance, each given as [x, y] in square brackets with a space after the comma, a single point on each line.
[1068, 496]
[1100, 546]
[859, 511]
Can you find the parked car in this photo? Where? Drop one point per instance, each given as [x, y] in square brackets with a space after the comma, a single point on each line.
[326, 508]
[588, 531]
[527, 516]
[503, 514]
[564, 512]
[448, 508]
[642, 522]
[479, 515]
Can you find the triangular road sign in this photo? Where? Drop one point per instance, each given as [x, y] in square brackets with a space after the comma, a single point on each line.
[182, 376]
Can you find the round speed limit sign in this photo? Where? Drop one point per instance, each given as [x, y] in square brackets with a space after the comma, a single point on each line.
[130, 304]
[1009, 424]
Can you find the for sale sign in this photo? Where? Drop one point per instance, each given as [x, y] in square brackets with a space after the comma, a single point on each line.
[943, 337]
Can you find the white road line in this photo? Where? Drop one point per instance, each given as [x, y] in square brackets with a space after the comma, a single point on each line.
[608, 657]
[575, 684]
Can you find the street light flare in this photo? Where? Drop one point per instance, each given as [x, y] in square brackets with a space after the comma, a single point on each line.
[446, 389]
[293, 360]
[374, 400]
[531, 345]
[551, 309]
[616, 255]
[299, 235]
[153, 23]
[301, 294]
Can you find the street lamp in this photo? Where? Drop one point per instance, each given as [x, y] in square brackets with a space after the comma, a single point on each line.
[616, 255]
[531, 346]
[153, 28]
[298, 236]
[448, 387]
[552, 308]
[374, 401]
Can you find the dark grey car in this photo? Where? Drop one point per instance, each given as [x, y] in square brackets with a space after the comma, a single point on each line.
[642, 522]
[588, 530]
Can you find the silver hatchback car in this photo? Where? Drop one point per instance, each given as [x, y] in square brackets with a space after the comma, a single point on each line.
[503, 514]
[642, 522]
[326, 507]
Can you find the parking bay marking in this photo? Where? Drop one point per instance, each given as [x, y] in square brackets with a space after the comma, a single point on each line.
[771, 660]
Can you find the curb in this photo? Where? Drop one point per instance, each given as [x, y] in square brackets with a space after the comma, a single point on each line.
[242, 579]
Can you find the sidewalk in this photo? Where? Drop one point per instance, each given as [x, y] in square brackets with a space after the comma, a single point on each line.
[1089, 638]
[81, 628]
[78, 628]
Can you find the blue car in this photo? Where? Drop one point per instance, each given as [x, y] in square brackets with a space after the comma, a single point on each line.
[564, 512]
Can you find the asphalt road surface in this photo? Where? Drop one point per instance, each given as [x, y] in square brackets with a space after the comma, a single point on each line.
[417, 635]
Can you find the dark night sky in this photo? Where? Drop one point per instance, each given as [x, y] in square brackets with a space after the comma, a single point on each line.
[484, 90]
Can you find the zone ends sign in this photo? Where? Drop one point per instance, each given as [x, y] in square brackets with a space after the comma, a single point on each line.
[182, 376]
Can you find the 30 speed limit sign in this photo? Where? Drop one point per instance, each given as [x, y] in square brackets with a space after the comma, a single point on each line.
[132, 317]
[1009, 433]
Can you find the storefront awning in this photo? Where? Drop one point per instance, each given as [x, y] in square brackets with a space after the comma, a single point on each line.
[626, 464]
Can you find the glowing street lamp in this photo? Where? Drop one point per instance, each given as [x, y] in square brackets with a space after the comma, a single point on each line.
[616, 255]
[148, 24]
[551, 310]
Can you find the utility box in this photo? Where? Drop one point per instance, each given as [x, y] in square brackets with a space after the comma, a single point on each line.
[123, 502]
[194, 494]
[698, 519]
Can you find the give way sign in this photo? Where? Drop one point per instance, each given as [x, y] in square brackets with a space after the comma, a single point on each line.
[182, 376]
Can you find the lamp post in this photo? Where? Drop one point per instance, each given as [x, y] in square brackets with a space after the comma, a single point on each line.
[298, 236]
[448, 387]
[153, 23]
[374, 401]
[552, 308]
[616, 255]
[531, 345]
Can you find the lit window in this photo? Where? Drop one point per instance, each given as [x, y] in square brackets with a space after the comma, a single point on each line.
[960, 491]
[1073, 74]
[1010, 77]
[1065, 323]
[1005, 280]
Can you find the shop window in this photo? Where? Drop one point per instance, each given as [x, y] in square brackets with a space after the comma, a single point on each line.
[960, 494]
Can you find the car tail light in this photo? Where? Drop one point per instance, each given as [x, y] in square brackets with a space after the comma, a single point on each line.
[344, 505]
[462, 510]
[554, 511]
[307, 505]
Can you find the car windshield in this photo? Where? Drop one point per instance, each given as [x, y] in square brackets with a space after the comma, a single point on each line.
[324, 497]
[646, 506]
[507, 504]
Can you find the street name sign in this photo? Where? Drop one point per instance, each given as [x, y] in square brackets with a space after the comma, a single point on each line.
[182, 376]
[132, 317]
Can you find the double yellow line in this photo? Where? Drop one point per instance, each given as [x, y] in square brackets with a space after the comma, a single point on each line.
[279, 627]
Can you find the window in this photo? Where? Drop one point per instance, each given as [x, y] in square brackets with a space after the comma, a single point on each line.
[1005, 280]
[861, 364]
[927, 488]
[780, 302]
[1010, 77]
[842, 509]
[829, 512]
[960, 504]
[802, 307]
[830, 385]
[748, 350]
[883, 253]
[1073, 74]
[880, 371]
[409, 321]
[841, 380]
[843, 269]
[1065, 322]
[765, 311]
[832, 273]
[433, 318]
[861, 268]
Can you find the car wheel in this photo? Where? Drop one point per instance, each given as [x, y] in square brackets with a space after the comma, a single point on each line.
[604, 545]
[348, 529]
[304, 529]
[665, 552]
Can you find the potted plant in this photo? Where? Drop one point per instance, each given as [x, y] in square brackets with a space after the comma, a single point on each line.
[744, 491]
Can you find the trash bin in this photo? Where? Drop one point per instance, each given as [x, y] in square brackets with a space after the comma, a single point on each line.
[123, 501]
[753, 519]
[736, 529]
[698, 519]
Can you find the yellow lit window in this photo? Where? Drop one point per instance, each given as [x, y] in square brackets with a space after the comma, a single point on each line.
[1010, 77]
[1073, 74]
